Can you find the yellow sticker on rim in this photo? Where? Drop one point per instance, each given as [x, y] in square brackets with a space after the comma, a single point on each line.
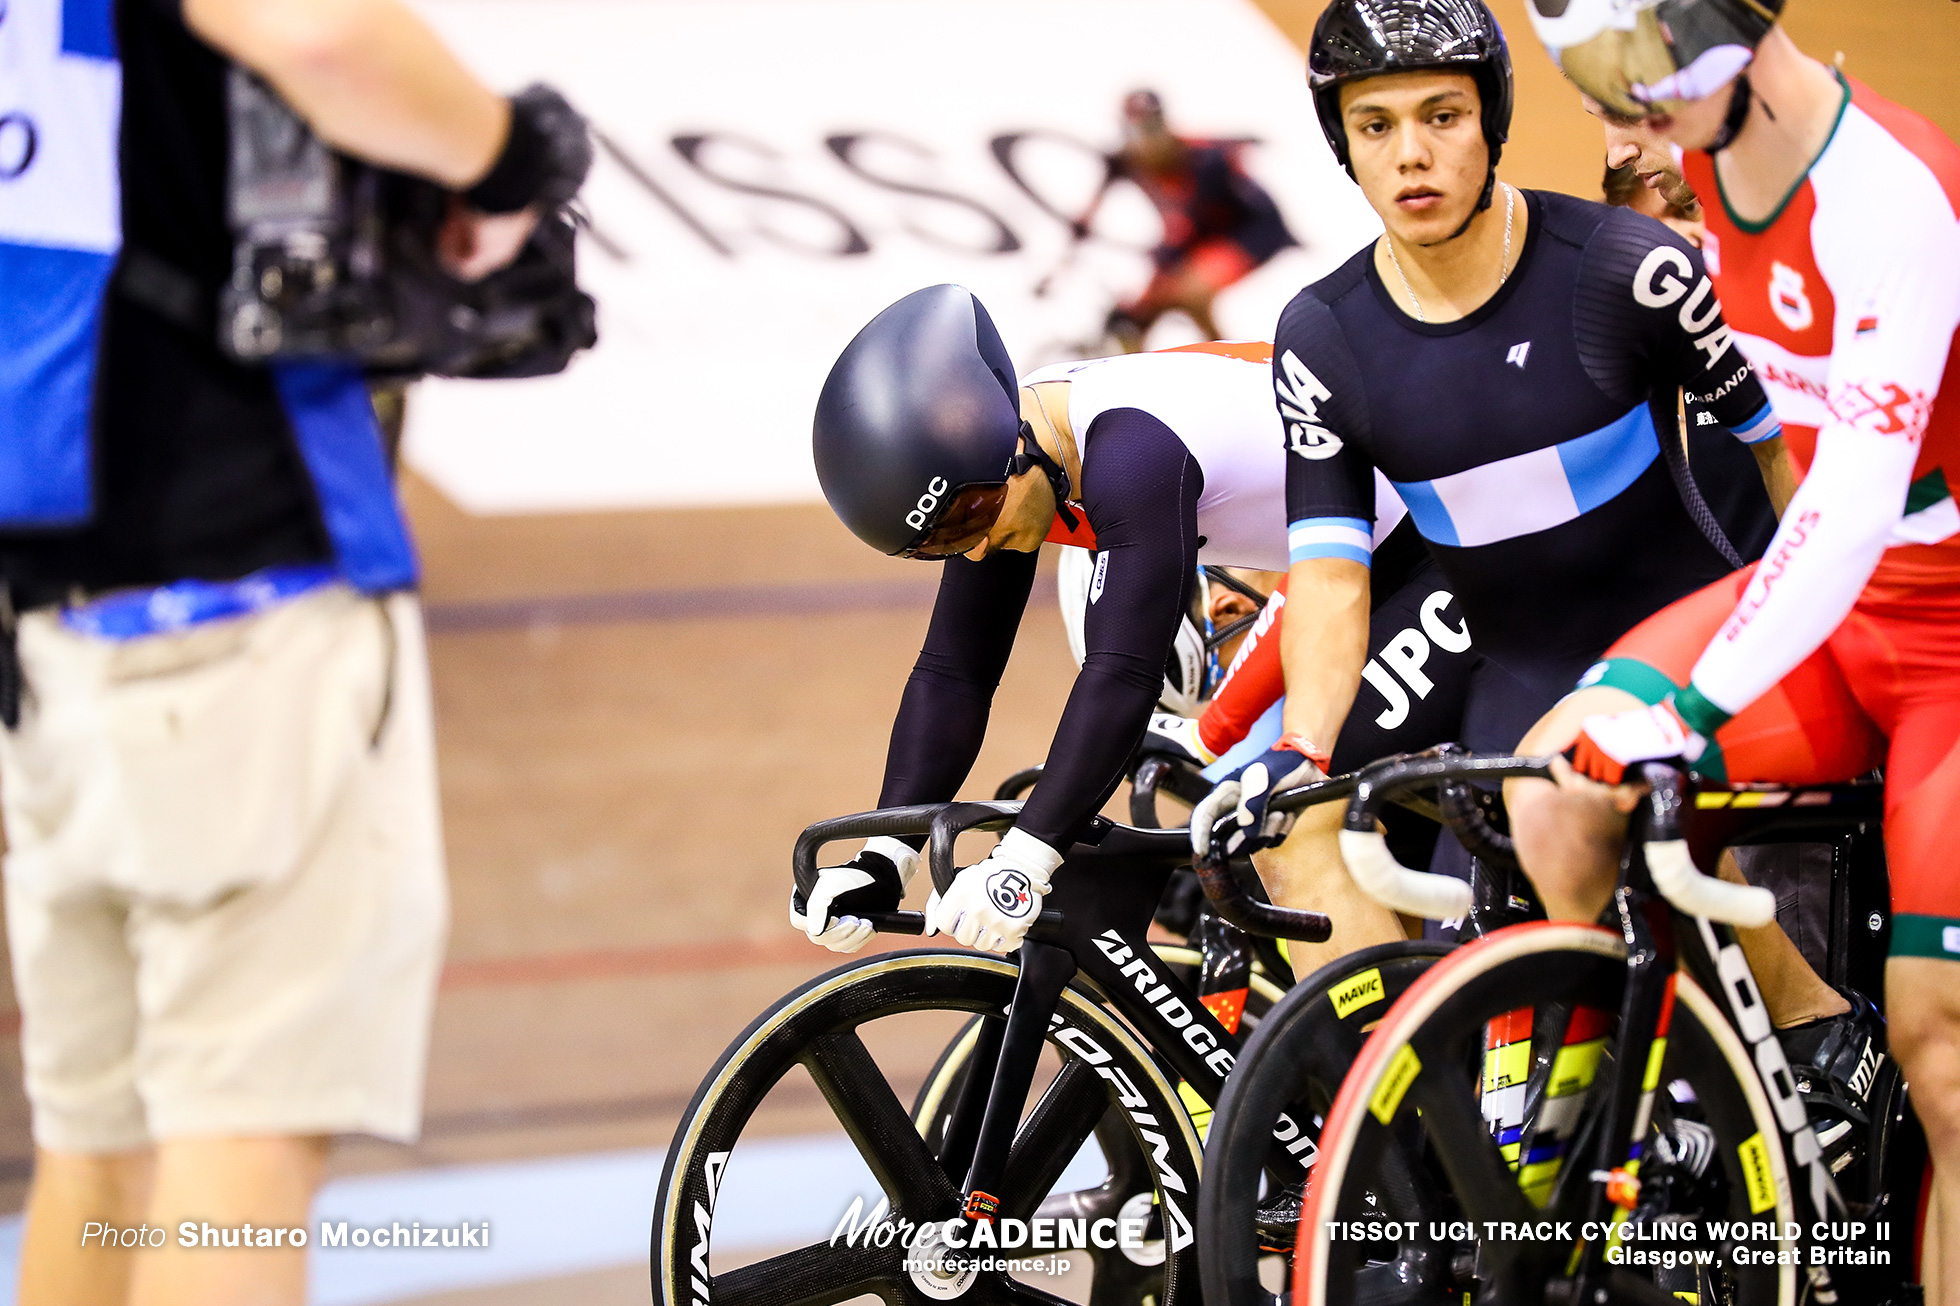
[1754, 1154]
[1363, 990]
[1402, 1070]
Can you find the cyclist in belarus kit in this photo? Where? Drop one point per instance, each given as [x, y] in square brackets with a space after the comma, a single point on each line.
[1834, 238]
[925, 447]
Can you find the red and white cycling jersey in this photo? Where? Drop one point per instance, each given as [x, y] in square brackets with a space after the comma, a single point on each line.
[1847, 301]
[1218, 398]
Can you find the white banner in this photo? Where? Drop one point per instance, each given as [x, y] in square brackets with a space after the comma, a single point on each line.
[773, 172]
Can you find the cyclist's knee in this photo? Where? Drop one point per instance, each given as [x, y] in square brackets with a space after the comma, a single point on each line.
[1922, 1011]
[1558, 729]
[1307, 859]
[1568, 835]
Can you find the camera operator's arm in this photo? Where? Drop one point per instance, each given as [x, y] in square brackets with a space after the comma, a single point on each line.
[368, 76]
[374, 81]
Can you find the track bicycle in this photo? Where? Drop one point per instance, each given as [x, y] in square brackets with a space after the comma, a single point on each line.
[1568, 1113]
[1085, 983]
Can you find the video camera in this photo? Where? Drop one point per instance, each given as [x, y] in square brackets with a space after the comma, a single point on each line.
[334, 257]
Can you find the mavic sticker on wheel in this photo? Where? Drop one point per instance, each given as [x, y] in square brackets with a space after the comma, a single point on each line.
[1754, 1155]
[1402, 1071]
[1351, 995]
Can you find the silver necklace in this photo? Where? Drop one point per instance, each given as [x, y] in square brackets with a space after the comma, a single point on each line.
[1503, 267]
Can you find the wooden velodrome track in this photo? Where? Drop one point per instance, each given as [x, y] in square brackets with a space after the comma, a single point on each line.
[638, 711]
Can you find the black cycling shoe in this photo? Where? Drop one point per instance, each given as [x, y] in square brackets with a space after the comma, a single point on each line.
[1837, 1063]
[1278, 1220]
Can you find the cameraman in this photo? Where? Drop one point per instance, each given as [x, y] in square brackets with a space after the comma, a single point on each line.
[224, 886]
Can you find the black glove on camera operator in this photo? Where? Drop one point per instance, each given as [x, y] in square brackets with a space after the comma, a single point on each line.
[335, 257]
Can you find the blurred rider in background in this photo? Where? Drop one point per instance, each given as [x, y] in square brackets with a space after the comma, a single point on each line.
[1219, 224]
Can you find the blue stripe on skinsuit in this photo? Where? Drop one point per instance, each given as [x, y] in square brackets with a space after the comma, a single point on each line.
[50, 327]
[1432, 518]
[340, 443]
[1308, 552]
[1601, 464]
[88, 28]
[1761, 425]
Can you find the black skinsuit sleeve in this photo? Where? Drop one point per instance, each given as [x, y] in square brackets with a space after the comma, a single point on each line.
[1142, 488]
[1648, 322]
[942, 718]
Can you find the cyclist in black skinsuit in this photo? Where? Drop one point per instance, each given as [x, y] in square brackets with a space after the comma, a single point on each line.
[1522, 410]
[1510, 361]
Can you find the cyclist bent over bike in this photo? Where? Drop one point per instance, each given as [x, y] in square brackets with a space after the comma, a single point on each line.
[1159, 462]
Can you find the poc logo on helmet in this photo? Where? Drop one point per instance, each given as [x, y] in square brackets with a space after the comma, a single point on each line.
[922, 514]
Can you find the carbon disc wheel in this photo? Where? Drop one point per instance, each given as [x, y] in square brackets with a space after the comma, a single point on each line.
[1293, 1064]
[1104, 1073]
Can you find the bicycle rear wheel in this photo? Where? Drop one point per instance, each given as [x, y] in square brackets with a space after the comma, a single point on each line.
[818, 1027]
[1293, 1063]
[1408, 1165]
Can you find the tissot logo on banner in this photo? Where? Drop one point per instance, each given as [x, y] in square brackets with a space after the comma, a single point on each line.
[771, 173]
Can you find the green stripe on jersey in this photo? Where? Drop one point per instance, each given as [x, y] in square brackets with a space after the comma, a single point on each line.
[1931, 514]
[1644, 682]
[1926, 936]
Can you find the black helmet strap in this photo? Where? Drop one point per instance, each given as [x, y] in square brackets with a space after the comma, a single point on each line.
[1031, 454]
[1740, 94]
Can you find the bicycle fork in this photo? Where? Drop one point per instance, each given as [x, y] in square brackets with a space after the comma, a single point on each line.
[1045, 972]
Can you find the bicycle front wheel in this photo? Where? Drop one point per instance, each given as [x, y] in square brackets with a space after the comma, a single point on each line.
[825, 1029]
[1464, 1106]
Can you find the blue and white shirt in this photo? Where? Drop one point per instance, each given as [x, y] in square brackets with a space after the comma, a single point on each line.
[1524, 438]
[133, 453]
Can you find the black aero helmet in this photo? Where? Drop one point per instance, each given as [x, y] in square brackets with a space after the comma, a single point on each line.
[1357, 39]
[918, 424]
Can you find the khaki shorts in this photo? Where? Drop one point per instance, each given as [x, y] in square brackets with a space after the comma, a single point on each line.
[224, 884]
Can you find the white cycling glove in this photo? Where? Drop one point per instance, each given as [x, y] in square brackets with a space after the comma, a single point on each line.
[874, 880]
[992, 903]
[1177, 736]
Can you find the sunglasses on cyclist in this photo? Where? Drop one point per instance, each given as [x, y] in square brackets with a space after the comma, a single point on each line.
[970, 514]
[963, 523]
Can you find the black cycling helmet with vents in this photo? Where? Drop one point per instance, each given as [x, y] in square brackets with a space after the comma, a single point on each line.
[919, 427]
[1358, 39]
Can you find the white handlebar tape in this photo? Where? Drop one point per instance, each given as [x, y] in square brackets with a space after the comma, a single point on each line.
[1413, 893]
[1682, 883]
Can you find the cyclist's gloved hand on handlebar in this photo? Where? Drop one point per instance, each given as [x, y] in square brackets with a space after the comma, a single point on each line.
[874, 880]
[992, 903]
[1611, 742]
[1291, 761]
